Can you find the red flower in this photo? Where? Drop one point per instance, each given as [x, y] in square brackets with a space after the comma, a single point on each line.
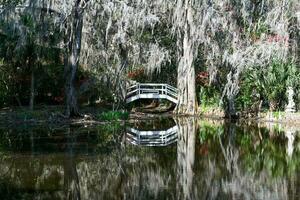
[202, 78]
[278, 38]
[136, 73]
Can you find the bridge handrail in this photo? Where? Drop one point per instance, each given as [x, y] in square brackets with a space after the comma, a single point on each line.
[172, 93]
[152, 84]
[132, 86]
[172, 88]
[141, 86]
[152, 88]
[132, 92]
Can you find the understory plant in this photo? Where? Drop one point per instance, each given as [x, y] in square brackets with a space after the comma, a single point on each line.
[267, 86]
[113, 116]
[209, 96]
[274, 84]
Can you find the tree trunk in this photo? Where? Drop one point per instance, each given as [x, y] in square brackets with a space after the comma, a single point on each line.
[187, 102]
[230, 92]
[73, 37]
[119, 88]
[186, 90]
[231, 111]
[32, 92]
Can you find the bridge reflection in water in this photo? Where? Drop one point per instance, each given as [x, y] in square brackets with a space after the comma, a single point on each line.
[152, 138]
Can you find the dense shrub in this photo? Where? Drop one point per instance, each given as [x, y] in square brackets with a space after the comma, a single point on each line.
[113, 116]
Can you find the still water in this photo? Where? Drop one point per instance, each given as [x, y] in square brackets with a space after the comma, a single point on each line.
[160, 159]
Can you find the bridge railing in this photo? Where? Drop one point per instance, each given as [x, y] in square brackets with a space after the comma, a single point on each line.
[152, 88]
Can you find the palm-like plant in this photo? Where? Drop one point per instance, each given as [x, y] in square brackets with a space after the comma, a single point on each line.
[268, 84]
[274, 83]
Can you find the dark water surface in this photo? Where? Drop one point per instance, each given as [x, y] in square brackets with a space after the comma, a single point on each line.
[186, 159]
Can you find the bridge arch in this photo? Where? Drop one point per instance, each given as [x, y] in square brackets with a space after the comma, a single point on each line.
[151, 91]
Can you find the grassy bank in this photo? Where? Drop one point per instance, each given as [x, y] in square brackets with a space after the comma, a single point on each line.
[54, 115]
[99, 115]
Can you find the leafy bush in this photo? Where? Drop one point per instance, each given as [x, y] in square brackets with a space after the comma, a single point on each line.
[113, 116]
[209, 96]
[251, 91]
[268, 85]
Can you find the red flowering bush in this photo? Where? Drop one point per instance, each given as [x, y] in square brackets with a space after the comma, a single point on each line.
[278, 38]
[136, 74]
[202, 78]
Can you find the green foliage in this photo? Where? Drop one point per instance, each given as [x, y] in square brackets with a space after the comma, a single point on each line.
[275, 81]
[26, 47]
[9, 2]
[113, 116]
[268, 85]
[257, 29]
[30, 40]
[251, 90]
[293, 78]
[209, 96]
[29, 115]
[5, 84]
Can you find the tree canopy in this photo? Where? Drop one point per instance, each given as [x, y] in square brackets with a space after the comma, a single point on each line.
[226, 52]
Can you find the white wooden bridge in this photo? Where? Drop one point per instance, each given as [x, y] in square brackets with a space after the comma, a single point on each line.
[151, 91]
[152, 138]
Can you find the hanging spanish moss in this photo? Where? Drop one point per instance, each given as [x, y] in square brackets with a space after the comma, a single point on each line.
[112, 39]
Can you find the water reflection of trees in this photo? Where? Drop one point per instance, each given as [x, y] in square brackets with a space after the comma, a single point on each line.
[241, 184]
[208, 162]
[123, 172]
[186, 157]
[255, 165]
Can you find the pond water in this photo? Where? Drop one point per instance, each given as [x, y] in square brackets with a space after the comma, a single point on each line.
[184, 158]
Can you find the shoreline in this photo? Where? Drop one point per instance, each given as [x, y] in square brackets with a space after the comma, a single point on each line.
[54, 117]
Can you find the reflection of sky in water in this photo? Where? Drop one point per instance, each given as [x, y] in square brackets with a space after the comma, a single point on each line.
[207, 160]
